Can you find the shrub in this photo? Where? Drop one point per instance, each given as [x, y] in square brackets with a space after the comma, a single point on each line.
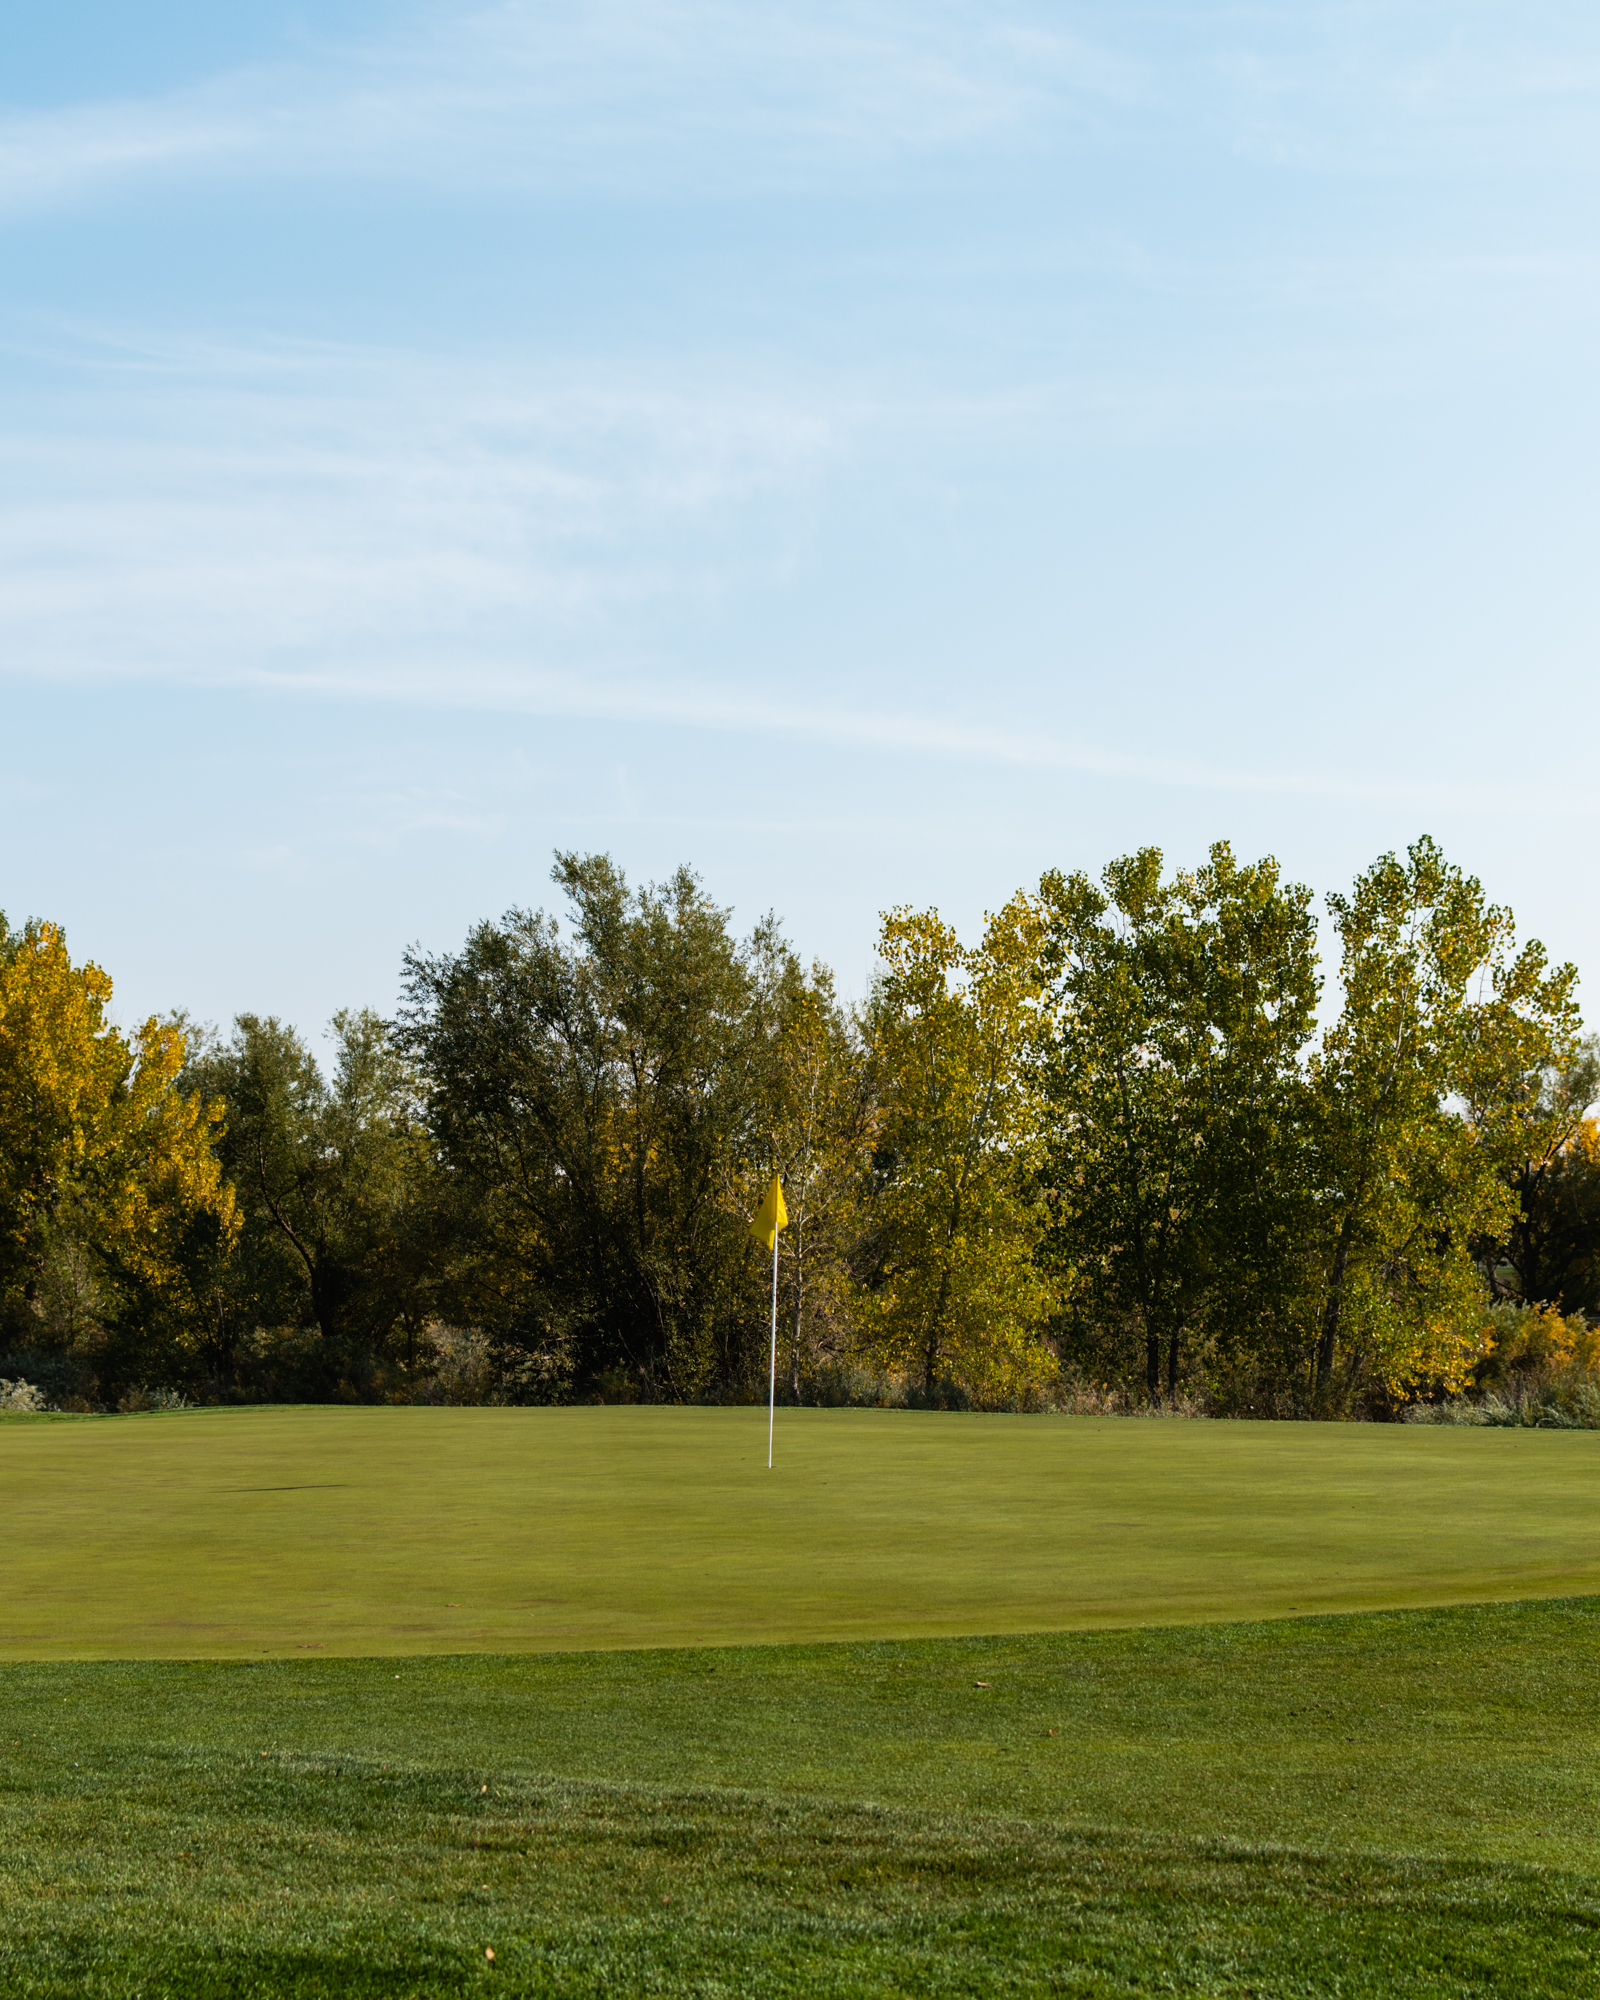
[141, 1398]
[1544, 1407]
[1536, 1369]
[64, 1380]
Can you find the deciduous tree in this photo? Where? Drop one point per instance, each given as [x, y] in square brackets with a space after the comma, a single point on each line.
[823, 1118]
[334, 1177]
[1424, 1092]
[957, 1290]
[601, 1094]
[1174, 1159]
[104, 1160]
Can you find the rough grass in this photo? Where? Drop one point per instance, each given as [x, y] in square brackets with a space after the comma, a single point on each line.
[414, 1531]
[1402, 1804]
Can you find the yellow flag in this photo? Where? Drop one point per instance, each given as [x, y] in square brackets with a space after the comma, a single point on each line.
[771, 1216]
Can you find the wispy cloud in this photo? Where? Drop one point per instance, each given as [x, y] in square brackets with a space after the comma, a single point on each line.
[646, 95]
[527, 537]
[921, 732]
[1347, 88]
[329, 522]
[299, 513]
[694, 96]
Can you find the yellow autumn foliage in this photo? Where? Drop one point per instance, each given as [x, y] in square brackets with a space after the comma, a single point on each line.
[95, 1135]
[960, 1291]
[1539, 1341]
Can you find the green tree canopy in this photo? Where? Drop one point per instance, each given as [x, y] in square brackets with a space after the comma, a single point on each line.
[335, 1181]
[1173, 1095]
[957, 1289]
[606, 1095]
[1425, 1094]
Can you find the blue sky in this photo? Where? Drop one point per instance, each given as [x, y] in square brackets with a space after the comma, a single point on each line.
[872, 452]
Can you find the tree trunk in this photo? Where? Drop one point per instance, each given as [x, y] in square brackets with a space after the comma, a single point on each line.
[1152, 1361]
[799, 1300]
[930, 1356]
[1329, 1341]
[1526, 1246]
[1172, 1360]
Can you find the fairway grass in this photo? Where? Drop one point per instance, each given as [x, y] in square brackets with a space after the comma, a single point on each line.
[1378, 1805]
[264, 1532]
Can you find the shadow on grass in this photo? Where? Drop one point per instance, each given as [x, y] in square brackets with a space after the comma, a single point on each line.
[586, 1889]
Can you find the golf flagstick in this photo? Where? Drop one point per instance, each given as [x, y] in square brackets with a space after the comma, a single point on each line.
[772, 1384]
[772, 1216]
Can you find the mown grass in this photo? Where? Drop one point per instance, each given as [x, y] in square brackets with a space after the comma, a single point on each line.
[414, 1531]
[1399, 1804]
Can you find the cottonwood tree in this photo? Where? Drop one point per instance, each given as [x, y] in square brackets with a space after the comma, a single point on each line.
[1171, 1085]
[1549, 1252]
[1424, 1091]
[603, 1094]
[823, 1117]
[104, 1159]
[334, 1175]
[956, 1289]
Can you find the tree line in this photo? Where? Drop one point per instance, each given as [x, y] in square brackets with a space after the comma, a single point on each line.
[1133, 1139]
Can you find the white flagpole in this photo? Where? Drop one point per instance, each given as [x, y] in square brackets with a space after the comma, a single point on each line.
[772, 1386]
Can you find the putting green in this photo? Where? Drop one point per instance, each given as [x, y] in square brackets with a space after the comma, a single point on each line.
[244, 1532]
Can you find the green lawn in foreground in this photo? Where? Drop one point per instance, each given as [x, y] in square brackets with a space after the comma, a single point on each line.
[1400, 1804]
[362, 1531]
